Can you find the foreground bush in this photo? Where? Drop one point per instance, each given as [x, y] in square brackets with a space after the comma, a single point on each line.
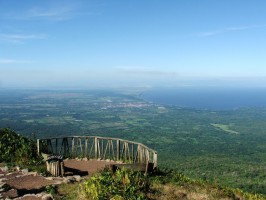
[16, 149]
[120, 185]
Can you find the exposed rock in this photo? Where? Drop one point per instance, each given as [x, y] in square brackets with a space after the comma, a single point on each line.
[33, 173]
[11, 193]
[71, 179]
[41, 194]
[85, 159]
[3, 179]
[27, 197]
[13, 175]
[38, 196]
[18, 180]
[47, 197]
[25, 171]
[3, 187]
[58, 182]
[77, 178]
[4, 169]
[66, 181]
[29, 182]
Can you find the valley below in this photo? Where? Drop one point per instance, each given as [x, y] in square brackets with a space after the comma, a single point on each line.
[227, 147]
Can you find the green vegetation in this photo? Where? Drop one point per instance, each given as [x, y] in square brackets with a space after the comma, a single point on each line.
[19, 150]
[225, 128]
[165, 184]
[201, 144]
[196, 188]
[123, 184]
[16, 149]
[119, 185]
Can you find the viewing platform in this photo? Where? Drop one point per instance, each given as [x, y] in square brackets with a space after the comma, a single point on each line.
[115, 152]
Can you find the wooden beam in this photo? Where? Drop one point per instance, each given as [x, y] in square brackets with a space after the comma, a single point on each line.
[73, 147]
[101, 147]
[38, 146]
[95, 147]
[117, 150]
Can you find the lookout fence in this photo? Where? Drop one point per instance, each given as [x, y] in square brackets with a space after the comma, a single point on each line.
[99, 148]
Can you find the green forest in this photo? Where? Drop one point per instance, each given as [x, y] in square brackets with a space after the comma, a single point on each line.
[222, 147]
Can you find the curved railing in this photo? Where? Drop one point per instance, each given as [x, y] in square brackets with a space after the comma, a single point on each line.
[101, 148]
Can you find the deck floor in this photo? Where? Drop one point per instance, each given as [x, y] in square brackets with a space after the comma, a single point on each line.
[90, 166]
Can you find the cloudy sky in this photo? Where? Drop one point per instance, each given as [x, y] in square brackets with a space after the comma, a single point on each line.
[84, 43]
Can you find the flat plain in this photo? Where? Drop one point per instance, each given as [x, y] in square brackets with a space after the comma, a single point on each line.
[225, 147]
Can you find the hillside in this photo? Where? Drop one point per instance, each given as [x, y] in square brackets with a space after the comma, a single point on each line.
[164, 185]
[122, 184]
[227, 147]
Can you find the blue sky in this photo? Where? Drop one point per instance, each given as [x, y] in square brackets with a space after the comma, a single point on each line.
[136, 43]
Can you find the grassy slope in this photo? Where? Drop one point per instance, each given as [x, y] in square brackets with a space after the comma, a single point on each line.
[169, 185]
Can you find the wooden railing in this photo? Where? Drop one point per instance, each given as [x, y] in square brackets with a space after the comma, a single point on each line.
[101, 148]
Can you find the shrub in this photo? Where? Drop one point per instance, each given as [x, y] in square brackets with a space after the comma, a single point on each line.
[16, 149]
[120, 185]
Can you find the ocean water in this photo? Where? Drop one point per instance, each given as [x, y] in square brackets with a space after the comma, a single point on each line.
[215, 98]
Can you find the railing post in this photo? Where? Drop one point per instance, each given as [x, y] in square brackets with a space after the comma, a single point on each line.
[147, 156]
[86, 147]
[96, 147]
[117, 150]
[147, 160]
[132, 153]
[38, 146]
[155, 162]
[73, 147]
[137, 152]
[81, 148]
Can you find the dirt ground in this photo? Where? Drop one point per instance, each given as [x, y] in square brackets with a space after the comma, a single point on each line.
[20, 184]
[29, 182]
[90, 166]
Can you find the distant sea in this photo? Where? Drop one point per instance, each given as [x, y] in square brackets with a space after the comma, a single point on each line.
[214, 98]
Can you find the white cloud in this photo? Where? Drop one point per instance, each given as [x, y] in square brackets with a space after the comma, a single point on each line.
[20, 38]
[54, 12]
[231, 29]
[12, 61]
[61, 13]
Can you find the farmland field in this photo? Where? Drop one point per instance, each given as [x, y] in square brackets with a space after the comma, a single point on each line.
[227, 147]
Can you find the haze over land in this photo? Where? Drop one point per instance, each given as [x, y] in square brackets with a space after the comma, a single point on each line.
[86, 44]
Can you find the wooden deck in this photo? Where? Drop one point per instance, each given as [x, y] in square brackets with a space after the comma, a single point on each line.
[98, 150]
